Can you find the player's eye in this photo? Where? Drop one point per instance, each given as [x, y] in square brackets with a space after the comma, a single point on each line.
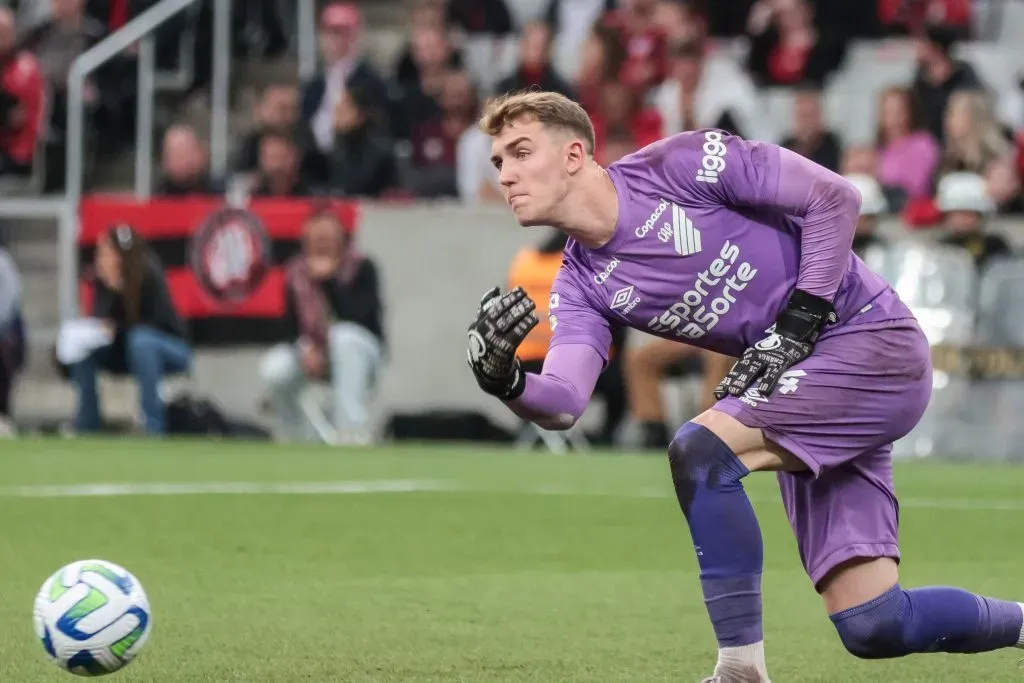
[522, 154]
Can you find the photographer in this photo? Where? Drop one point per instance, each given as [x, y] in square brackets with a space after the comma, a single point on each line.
[21, 101]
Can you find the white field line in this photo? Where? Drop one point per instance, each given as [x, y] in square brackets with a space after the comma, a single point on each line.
[356, 487]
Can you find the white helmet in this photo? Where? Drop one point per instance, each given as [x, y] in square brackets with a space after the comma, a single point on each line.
[964, 191]
[872, 201]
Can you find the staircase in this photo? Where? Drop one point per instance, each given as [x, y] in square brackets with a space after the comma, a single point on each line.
[42, 396]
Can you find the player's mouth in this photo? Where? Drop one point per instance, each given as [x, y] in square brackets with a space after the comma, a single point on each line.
[513, 198]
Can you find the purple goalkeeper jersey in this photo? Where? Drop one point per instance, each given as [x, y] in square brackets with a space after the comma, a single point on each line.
[714, 233]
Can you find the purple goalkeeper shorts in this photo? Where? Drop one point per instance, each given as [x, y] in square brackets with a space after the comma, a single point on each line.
[839, 411]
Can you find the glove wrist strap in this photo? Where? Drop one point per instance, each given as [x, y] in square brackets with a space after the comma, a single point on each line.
[804, 317]
[506, 388]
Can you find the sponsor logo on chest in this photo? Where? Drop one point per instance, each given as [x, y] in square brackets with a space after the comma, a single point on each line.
[678, 230]
[709, 298]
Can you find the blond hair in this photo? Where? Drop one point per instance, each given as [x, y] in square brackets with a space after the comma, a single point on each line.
[983, 144]
[550, 108]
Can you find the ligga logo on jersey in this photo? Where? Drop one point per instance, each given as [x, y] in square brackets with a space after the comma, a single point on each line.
[714, 158]
[694, 315]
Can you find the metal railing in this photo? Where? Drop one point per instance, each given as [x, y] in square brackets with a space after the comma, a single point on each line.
[149, 81]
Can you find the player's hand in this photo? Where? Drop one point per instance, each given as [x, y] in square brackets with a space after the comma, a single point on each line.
[502, 322]
[790, 340]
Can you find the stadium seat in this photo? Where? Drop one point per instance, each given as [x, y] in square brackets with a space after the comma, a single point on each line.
[939, 284]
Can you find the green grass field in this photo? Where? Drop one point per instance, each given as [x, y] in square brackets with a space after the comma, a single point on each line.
[266, 563]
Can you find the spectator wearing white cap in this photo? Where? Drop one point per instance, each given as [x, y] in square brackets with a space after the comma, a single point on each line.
[873, 205]
[343, 64]
[965, 204]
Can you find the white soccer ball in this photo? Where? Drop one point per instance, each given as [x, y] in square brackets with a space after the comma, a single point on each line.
[92, 617]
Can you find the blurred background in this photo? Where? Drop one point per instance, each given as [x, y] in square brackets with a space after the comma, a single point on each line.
[274, 219]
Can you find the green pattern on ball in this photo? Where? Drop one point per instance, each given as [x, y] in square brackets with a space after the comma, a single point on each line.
[87, 605]
[57, 588]
[122, 646]
[106, 572]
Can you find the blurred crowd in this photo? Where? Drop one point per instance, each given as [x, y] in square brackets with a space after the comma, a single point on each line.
[947, 150]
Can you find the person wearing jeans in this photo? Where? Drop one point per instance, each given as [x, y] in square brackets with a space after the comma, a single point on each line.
[334, 314]
[149, 338]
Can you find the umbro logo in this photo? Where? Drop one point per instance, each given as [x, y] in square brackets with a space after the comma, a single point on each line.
[624, 301]
[682, 232]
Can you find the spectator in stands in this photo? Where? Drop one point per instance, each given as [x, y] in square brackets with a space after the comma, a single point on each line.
[645, 44]
[646, 365]
[963, 199]
[431, 53]
[279, 173]
[623, 110]
[475, 177]
[335, 318]
[785, 46]
[428, 37]
[680, 21]
[56, 43]
[939, 76]
[860, 159]
[534, 69]
[149, 338]
[872, 206]
[184, 165]
[908, 18]
[12, 337]
[432, 171]
[534, 269]
[601, 61]
[810, 136]
[343, 65]
[278, 112]
[21, 102]
[974, 141]
[362, 162]
[698, 96]
[571, 23]
[618, 143]
[908, 155]
[480, 17]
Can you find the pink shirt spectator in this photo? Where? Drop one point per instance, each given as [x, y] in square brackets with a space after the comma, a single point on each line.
[909, 163]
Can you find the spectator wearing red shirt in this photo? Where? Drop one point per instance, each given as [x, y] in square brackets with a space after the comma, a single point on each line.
[645, 42]
[622, 110]
[21, 101]
[534, 69]
[786, 48]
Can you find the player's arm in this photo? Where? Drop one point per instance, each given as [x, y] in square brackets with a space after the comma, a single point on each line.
[581, 337]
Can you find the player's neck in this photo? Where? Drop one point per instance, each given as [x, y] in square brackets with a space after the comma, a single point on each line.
[590, 210]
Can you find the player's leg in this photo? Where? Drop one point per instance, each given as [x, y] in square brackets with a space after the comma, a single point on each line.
[709, 457]
[877, 618]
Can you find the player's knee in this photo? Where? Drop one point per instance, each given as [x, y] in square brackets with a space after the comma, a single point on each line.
[699, 459]
[875, 630]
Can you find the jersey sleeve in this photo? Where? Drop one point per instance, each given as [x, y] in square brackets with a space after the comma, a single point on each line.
[572, 319]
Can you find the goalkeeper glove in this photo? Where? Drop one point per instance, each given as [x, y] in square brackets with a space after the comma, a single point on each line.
[791, 340]
[502, 323]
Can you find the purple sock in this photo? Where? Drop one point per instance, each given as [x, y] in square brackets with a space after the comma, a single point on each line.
[934, 619]
[726, 536]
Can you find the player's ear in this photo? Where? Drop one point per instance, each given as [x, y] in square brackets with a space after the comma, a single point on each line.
[575, 156]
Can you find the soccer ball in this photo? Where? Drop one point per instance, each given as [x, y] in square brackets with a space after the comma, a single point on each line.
[92, 617]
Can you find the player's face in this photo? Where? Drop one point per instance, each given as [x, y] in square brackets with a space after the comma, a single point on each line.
[532, 169]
